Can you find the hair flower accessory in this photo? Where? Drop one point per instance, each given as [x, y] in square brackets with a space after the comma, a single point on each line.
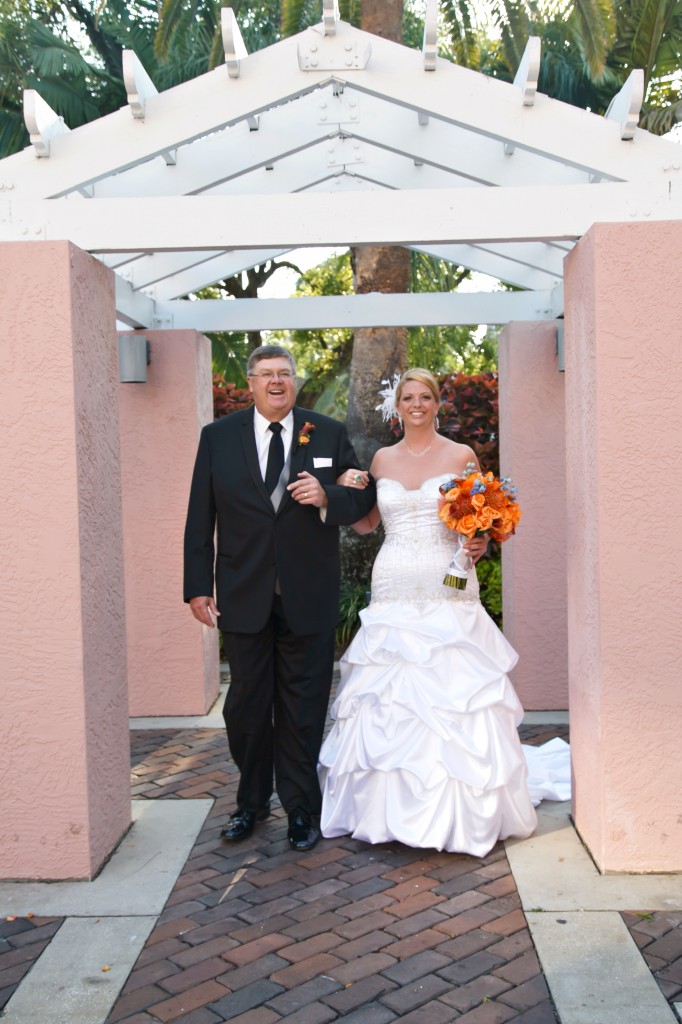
[473, 504]
[387, 407]
[304, 433]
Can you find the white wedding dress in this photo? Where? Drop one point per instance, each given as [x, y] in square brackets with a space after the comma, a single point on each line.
[424, 747]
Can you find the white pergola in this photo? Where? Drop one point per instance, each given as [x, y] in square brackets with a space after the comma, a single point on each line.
[335, 137]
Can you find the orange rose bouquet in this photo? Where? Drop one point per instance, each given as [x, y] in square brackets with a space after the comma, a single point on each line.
[476, 503]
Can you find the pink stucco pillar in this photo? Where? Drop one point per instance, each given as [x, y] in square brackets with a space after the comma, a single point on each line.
[624, 486]
[173, 664]
[64, 745]
[532, 453]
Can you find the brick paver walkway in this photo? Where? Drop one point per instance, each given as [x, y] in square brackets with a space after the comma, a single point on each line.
[256, 933]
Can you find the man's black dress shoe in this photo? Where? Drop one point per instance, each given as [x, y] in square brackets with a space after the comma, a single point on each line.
[302, 834]
[242, 824]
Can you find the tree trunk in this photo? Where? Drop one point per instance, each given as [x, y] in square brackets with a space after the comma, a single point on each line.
[378, 352]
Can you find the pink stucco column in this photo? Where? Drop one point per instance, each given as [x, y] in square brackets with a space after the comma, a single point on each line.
[64, 745]
[532, 453]
[173, 664]
[624, 486]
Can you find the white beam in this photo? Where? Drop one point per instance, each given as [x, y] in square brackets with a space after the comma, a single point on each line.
[138, 84]
[626, 105]
[42, 123]
[361, 218]
[271, 78]
[423, 309]
[430, 42]
[526, 78]
[233, 44]
[133, 308]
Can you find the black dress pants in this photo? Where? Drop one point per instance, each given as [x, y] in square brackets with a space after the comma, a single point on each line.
[275, 712]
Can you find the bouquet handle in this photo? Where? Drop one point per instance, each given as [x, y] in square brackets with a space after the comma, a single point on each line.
[460, 564]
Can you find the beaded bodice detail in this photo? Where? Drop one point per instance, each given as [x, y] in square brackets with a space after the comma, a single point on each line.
[417, 548]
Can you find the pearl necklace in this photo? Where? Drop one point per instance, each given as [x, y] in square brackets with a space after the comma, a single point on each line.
[417, 455]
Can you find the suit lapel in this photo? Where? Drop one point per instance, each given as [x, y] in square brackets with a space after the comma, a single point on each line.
[298, 457]
[251, 454]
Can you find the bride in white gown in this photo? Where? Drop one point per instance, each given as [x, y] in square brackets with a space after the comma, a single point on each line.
[424, 747]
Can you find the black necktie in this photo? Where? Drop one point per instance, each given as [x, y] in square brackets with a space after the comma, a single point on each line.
[275, 458]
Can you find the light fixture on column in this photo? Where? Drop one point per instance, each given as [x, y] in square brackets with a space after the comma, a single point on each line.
[134, 356]
[561, 366]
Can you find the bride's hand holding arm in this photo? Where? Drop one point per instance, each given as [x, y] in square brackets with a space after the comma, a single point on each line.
[360, 478]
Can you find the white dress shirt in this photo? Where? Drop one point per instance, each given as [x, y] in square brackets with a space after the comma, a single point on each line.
[264, 435]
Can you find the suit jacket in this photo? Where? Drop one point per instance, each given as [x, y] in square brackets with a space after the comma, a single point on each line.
[255, 544]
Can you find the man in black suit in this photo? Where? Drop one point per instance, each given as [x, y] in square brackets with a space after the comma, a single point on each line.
[267, 477]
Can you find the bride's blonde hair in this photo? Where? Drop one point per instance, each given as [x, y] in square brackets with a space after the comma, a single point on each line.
[422, 376]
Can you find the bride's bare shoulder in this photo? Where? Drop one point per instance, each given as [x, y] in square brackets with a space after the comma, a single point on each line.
[460, 454]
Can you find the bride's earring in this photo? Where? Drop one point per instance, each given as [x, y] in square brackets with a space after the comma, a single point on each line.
[435, 423]
[400, 420]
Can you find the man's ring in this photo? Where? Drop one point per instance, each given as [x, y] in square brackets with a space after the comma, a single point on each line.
[305, 494]
[357, 478]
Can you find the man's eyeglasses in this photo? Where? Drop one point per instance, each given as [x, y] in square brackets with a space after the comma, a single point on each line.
[267, 375]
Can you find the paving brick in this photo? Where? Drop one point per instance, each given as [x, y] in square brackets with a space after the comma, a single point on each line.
[458, 884]
[409, 888]
[30, 935]
[365, 871]
[431, 1013]
[270, 943]
[314, 1013]
[248, 998]
[668, 947]
[372, 942]
[259, 913]
[426, 939]
[527, 995]
[322, 905]
[364, 991]
[480, 990]
[508, 924]
[409, 997]
[514, 946]
[502, 886]
[310, 992]
[418, 922]
[543, 1013]
[193, 976]
[297, 974]
[263, 967]
[416, 967]
[373, 963]
[488, 1013]
[465, 901]
[379, 901]
[314, 925]
[168, 948]
[415, 904]
[149, 975]
[370, 1013]
[467, 944]
[185, 1002]
[203, 951]
[370, 887]
[140, 999]
[244, 933]
[494, 870]
[211, 931]
[297, 951]
[285, 887]
[520, 970]
[465, 922]
[362, 925]
[312, 861]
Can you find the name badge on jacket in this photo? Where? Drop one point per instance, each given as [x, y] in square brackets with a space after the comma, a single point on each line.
[321, 463]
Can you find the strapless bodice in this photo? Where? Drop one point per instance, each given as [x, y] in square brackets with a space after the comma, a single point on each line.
[417, 547]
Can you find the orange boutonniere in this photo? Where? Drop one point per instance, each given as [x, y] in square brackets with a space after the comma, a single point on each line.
[305, 432]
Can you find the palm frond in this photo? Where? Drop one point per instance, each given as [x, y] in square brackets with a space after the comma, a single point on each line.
[595, 20]
[661, 120]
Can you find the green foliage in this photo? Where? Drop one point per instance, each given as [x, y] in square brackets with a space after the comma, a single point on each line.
[489, 572]
[323, 356]
[352, 600]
